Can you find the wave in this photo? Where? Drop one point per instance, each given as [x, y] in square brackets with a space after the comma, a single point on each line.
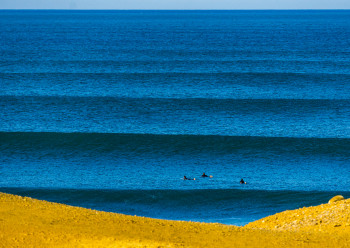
[200, 116]
[176, 198]
[231, 206]
[193, 101]
[235, 85]
[255, 66]
[190, 54]
[271, 74]
[161, 60]
[175, 144]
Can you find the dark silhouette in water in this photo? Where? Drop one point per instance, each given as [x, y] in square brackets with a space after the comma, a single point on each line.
[204, 175]
[186, 178]
[242, 181]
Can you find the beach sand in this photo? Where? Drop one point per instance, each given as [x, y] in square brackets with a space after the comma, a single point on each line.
[27, 222]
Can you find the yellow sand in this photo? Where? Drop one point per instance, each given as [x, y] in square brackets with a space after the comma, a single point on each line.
[26, 222]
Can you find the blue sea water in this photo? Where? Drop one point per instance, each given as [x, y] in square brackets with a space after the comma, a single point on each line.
[110, 109]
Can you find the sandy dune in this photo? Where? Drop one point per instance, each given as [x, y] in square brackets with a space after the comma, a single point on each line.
[26, 222]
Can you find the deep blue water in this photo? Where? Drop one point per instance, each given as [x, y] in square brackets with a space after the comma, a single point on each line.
[110, 109]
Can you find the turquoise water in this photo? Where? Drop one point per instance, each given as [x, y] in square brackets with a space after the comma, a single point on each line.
[110, 109]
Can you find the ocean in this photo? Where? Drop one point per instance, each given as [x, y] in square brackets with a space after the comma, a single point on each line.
[109, 110]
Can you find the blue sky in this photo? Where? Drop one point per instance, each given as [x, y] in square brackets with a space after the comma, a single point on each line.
[174, 4]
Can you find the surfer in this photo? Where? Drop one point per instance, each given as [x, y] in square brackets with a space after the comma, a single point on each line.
[242, 181]
[186, 178]
[204, 175]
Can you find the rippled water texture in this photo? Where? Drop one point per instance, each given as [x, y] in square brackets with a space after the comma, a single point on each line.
[110, 109]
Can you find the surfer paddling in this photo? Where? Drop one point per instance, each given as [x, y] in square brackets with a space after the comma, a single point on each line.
[186, 178]
[205, 175]
[242, 181]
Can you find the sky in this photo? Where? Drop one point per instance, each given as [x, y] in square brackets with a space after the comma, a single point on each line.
[174, 4]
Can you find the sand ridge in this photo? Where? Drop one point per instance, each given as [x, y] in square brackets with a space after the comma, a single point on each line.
[27, 222]
[331, 217]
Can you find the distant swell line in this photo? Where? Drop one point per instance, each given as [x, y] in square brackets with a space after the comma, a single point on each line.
[94, 74]
[150, 135]
[153, 143]
[179, 100]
